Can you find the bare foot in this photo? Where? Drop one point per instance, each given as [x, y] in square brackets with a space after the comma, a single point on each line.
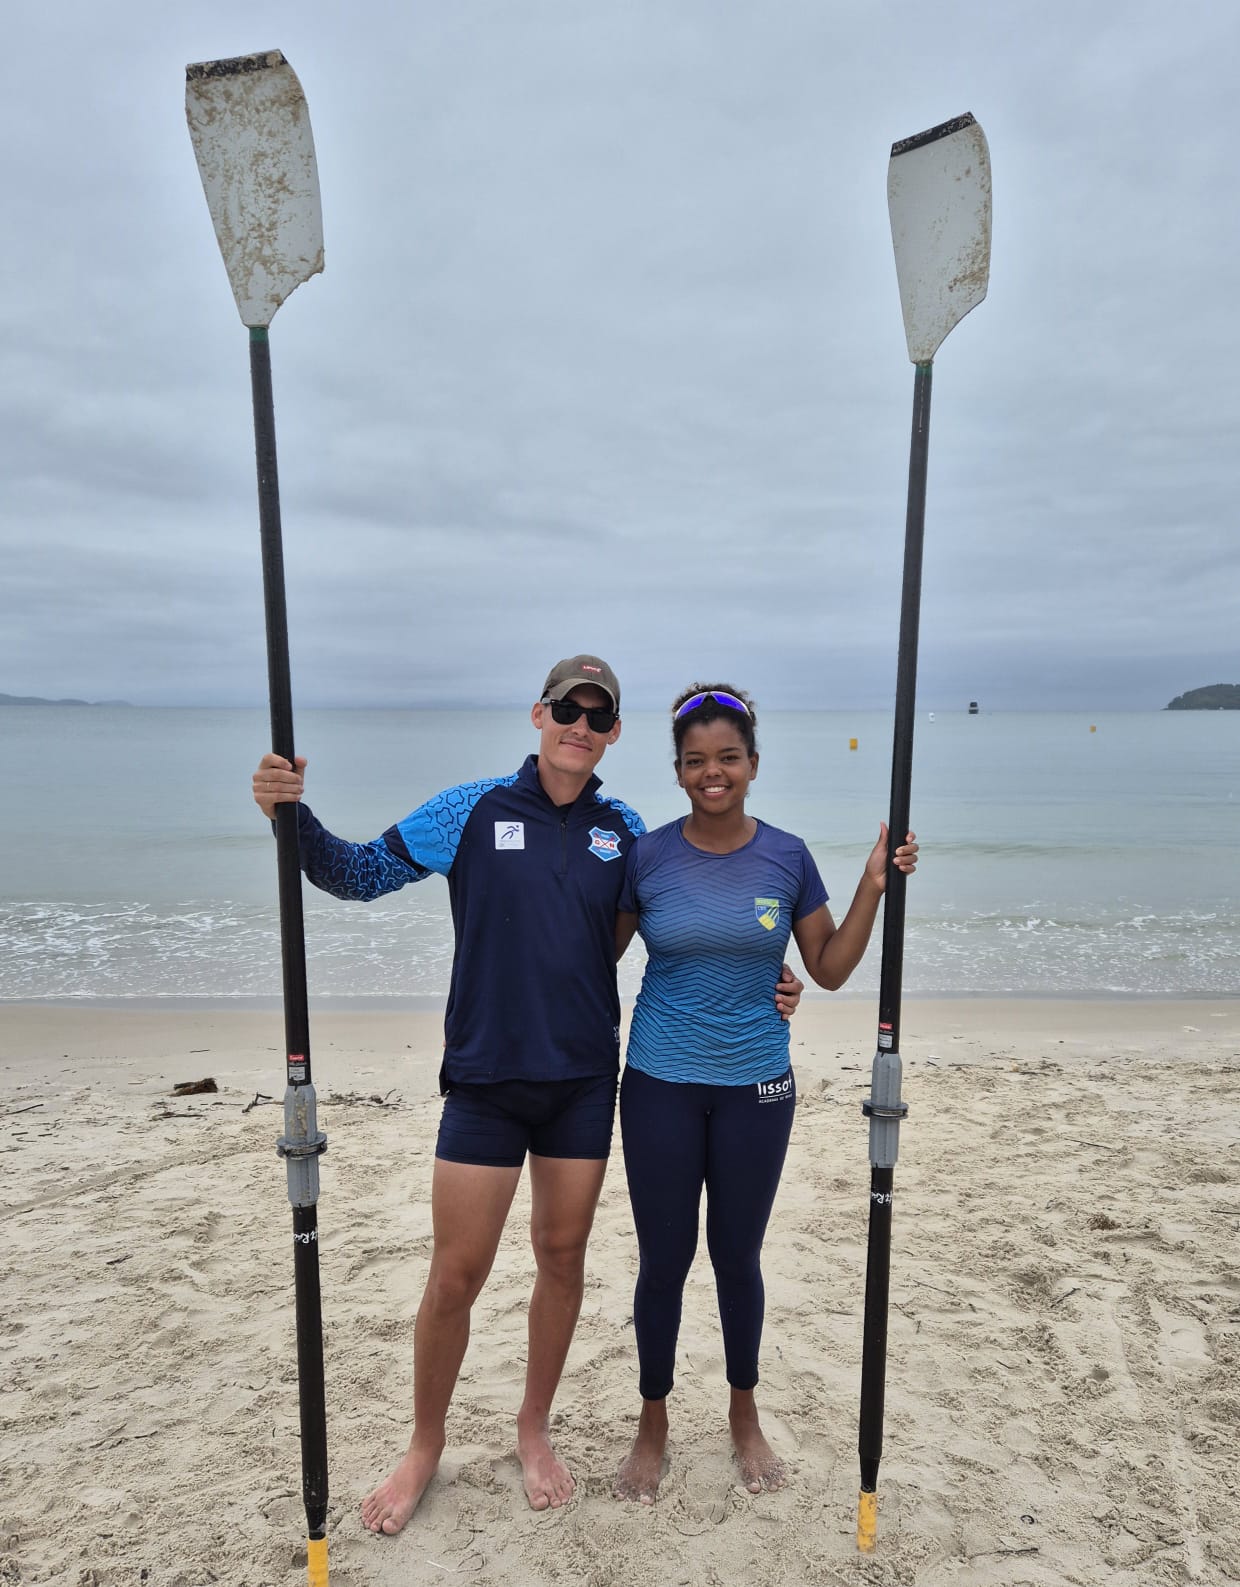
[396, 1498]
[639, 1477]
[760, 1467]
[548, 1481]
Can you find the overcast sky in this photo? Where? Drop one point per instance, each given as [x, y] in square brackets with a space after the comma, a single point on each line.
[608, 355]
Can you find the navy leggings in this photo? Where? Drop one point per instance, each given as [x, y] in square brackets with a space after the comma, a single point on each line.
[678, 1137]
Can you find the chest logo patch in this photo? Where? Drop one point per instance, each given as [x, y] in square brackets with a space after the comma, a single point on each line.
[604, 845]
[767, 911]
[510, 834]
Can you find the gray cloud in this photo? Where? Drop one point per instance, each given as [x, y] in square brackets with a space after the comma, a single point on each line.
[608, 353]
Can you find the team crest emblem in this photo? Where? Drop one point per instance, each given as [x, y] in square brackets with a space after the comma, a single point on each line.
[604, 845]
[767, 911]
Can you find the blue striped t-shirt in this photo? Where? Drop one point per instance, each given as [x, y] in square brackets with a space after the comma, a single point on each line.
[716, 927]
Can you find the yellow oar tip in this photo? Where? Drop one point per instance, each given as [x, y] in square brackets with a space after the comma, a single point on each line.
[867, 1522]
[316, 1562]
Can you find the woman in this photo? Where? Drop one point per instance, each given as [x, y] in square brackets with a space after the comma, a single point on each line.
[707, 1094]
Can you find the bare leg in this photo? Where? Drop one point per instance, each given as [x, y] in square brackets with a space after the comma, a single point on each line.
[639, 1476]
[468, 1207]
[760, 1467]
[564, 1193]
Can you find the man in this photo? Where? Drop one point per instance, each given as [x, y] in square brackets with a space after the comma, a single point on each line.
[534, 862]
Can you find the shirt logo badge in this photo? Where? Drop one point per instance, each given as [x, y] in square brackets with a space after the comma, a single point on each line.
[604, 845]
[767, 911]
[510, 834]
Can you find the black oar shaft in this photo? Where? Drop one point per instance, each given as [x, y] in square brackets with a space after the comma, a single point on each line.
[884, 1106]
[892, 977]
[874, 1339]
[302, 1141]
[280, 695]
[312, 1400]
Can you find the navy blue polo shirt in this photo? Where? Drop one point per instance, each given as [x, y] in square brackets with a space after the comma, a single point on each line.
[533, 888]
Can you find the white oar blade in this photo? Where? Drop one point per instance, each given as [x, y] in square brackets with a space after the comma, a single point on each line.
[938, 197]
[251, 133]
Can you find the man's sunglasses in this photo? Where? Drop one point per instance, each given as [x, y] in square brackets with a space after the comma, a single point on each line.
[720, 696]
[598, 718]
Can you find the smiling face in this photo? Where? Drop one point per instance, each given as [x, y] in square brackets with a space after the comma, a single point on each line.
[573, 751]
[715, 768]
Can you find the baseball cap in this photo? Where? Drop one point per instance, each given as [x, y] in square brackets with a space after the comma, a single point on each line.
[567, 674]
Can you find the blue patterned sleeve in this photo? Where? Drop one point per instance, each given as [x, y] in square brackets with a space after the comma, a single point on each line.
[430, 836]
[813, 894]
[626, 813]
[351, 870]
[423, 844]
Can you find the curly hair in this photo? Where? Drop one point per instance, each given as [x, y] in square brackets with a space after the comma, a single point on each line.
[710, 710]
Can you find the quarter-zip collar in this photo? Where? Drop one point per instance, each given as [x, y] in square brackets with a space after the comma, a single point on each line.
[528, 777]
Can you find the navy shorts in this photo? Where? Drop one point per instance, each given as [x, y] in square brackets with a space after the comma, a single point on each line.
[493, 1126]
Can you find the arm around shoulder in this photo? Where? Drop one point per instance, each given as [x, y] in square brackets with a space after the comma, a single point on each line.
[626, 927]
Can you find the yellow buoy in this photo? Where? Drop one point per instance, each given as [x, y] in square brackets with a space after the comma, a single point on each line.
[852, 743]
[1092, 728]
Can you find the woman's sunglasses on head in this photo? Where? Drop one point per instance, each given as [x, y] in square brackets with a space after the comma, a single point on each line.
[720, 696]
[598, 718]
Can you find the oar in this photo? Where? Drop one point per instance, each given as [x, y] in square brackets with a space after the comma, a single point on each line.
[251, 134]
[938, 195]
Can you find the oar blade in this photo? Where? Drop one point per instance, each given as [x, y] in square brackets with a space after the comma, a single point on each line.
[938, 197]
[251, 133]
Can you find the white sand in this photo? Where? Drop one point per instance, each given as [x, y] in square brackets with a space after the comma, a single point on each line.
[1062, 1407]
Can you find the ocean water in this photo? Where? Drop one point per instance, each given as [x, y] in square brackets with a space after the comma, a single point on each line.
[1063, 854]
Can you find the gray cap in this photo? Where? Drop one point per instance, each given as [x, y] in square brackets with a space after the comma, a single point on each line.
[568, 674]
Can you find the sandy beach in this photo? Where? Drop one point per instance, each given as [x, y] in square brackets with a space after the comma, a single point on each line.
[1063, 1403]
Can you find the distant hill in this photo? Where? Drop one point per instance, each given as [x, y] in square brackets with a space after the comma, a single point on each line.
[35, 699]
[1214, 697]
